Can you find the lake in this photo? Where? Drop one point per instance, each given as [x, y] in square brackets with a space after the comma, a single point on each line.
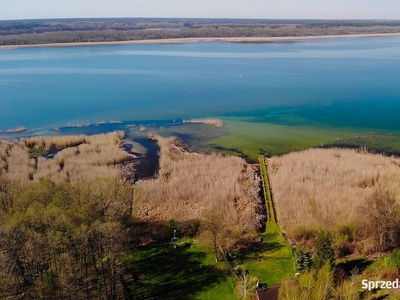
[336, 83]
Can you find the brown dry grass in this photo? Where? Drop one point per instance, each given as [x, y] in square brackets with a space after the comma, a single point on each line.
[193, 186]
[4, 149]
[19, 166]
[79, 158]
[212, 122]
[113, 138]
[326, 187]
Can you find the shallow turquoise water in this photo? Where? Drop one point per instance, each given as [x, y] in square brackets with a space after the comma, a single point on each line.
[352, 82]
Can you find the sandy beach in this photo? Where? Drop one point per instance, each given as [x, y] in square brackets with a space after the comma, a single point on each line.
[207, 39]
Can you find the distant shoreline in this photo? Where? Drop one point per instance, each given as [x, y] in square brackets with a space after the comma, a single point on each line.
[207, 39]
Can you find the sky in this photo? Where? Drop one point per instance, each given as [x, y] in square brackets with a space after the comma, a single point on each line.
[263, 9]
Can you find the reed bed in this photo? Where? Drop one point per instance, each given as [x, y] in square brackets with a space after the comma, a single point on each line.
[79, 158]
[212, 122]
[19, 166]
[194, 186]
[59, 142]
[326, 187]
[4, 152]
[54, 142]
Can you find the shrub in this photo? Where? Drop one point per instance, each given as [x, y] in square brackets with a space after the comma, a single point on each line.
[325, 253]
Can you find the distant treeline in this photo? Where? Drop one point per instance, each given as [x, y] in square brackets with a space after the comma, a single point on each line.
[29, 32]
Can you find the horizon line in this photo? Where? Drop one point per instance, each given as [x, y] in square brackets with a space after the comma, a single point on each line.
[201, 18]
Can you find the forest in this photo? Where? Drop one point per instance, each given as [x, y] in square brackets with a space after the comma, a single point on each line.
[63, 241]
[30, 32]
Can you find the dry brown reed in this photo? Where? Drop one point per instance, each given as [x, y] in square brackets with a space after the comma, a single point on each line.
[191, 186]
[20, 166]
[79, 158]
[54, 142]
[60, 142]
[4, 148]
[212, 122]
[326, 187]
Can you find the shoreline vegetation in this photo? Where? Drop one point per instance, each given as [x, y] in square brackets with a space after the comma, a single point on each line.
[80, 32]
[211, 122]
[192, 186]
[344, 203]
[88, 124]
[335, 190]
[280, 39]
[64, 158]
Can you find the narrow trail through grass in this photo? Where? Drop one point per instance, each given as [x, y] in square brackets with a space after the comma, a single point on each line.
[267, 191]
[274, 263]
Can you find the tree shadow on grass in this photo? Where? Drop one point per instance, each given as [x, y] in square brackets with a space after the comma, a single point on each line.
[356, 265]
[164, 272]
[247, 248]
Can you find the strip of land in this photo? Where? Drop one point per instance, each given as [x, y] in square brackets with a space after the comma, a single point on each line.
[206, 39]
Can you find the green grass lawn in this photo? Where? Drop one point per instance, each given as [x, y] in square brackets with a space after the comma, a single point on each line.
[274, 264]
[225, 289]
[184, 272]
[190, 271]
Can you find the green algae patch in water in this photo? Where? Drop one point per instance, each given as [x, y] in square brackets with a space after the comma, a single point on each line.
[251, 139]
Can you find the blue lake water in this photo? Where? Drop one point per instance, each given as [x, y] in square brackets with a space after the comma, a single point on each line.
[353, 82]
